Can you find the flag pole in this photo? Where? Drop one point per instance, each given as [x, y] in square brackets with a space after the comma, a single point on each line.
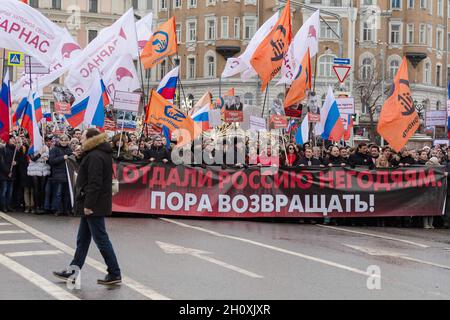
[265, 99]
[315, 72]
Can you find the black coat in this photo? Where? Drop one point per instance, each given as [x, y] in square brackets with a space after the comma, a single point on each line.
[159, 154]
[404, 160]
[22, 168]
[335, 161]
[6, 159]
[360, 159]
[94, 183]
[58, 164]
[306, 162]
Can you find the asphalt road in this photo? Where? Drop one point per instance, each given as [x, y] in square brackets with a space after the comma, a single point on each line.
[238, 260]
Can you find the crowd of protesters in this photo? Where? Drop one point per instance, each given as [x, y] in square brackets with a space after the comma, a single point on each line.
[38, 183]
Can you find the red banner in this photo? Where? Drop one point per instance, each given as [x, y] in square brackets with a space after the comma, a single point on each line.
[264, 192]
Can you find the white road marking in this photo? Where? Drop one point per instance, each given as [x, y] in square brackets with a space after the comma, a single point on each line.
[33, 253]
[5, 224]
[12, 232]
[174, 249]
[383, 253]
[297, 254]
[376, 236]
[132, 284]
[8, 242]
[42, 283]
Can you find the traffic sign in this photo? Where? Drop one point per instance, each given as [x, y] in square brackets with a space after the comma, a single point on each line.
[341, 61]
[342, 72]
[15, 59]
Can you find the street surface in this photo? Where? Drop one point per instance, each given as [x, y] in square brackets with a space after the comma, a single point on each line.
[239, 260]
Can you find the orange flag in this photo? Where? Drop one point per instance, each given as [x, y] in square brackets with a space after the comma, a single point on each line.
[162, 44]
[162, 112]
[268, 57]
[301, 83]
[399, 119]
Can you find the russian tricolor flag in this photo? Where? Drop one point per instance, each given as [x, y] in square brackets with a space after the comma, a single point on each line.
[5, 105]
[302, 135]
[19, 111]
[330, 119]
[37, 107]
[168, 85]
[29, 122]
[77, 113]
[97, 101]
[202, 117]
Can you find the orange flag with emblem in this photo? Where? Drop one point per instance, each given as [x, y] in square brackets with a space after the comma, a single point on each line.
[398, 119]
[302, 82]
[269, 56]
[162, 44]
[162, 112]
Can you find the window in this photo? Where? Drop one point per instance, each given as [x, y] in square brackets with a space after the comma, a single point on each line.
[410, 4]
[427, 73]
[224, 28]
[396, 37]
[423, 4]
[93, 6]
[249, 27]
[191, 31]
[135, 4]
[34, 3]
[210, 29]
[56, 4]
[162, 69]
[248, 99]
[326, 63]
[367, 68]
[178, 32]
[438, 105]
[395, 4]
[440, 39]
[410, 33]
[368, 32]
[210, 67]
[163, 5]
[422, 34]
[430, 35]
[192, 4]
[438, 75]
[191, 68]
[237, 28]
[177, 3]
[336, 3]
[394, 65]
[327, 32]
[440, 8]
[92, 34]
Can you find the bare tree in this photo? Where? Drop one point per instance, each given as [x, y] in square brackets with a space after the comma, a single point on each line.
[368, 89]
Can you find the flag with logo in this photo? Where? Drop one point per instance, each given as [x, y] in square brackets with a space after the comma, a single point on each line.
[162, 112]
[25, 29]
[144, 30]
[302, 83]
[121, 75]
[5, 105]
[306, 38]
[399, 119]
[163, 43]
[111, 43]
[269, 56]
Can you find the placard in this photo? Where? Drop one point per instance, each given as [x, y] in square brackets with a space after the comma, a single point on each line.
[436, 118]
[258, 124]
[346, 105]
[127, 101]
[278, 122]
[234, 109]
[62, 108]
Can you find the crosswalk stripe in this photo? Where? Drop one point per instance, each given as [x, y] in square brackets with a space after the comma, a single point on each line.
[7, 242]
[33, 253]
[12, 232]
[4, 224]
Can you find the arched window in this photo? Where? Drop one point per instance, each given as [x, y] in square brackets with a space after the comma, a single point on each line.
[438, 105]
[248, 99]
[366, 68]
[394, 65]
[326, 65]
[210, 67]
[427, 72]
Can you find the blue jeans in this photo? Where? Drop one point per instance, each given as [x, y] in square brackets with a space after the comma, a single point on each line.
[61, 197]
[48, 195]
[6, 192]
[94, 227]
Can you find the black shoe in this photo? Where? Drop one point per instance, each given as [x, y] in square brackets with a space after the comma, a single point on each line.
[64, 275]
[110, 280]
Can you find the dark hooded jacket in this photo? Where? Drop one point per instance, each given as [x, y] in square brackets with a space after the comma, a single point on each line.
[6, 159]
[94, 183]
[58, 164]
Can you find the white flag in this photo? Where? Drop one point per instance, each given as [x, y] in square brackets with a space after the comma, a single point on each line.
[238, 65]
[307, 37]
[65, 54]
[112, 43]
[25, 29]
[121, 76]
[144, 30]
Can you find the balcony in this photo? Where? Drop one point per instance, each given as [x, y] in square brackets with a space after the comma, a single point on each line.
[228, 48]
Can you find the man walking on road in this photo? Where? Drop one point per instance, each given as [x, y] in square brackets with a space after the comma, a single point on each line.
[93, 202]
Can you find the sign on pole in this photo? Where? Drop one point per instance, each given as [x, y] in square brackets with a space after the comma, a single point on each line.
[127, 101]
[345, 61]
[62, 108]
[342, 72]
[15, 59]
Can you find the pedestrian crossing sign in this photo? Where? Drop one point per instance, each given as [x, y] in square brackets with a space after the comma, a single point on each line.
[15, 59]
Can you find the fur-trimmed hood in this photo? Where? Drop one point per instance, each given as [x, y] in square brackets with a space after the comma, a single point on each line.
[99, 141]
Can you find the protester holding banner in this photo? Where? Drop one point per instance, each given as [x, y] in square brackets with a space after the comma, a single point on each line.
[361, 158]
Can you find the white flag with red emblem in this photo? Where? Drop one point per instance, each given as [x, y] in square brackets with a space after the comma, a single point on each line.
[307, 37]
[111, 44]
[121, 76]
[144, 30]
